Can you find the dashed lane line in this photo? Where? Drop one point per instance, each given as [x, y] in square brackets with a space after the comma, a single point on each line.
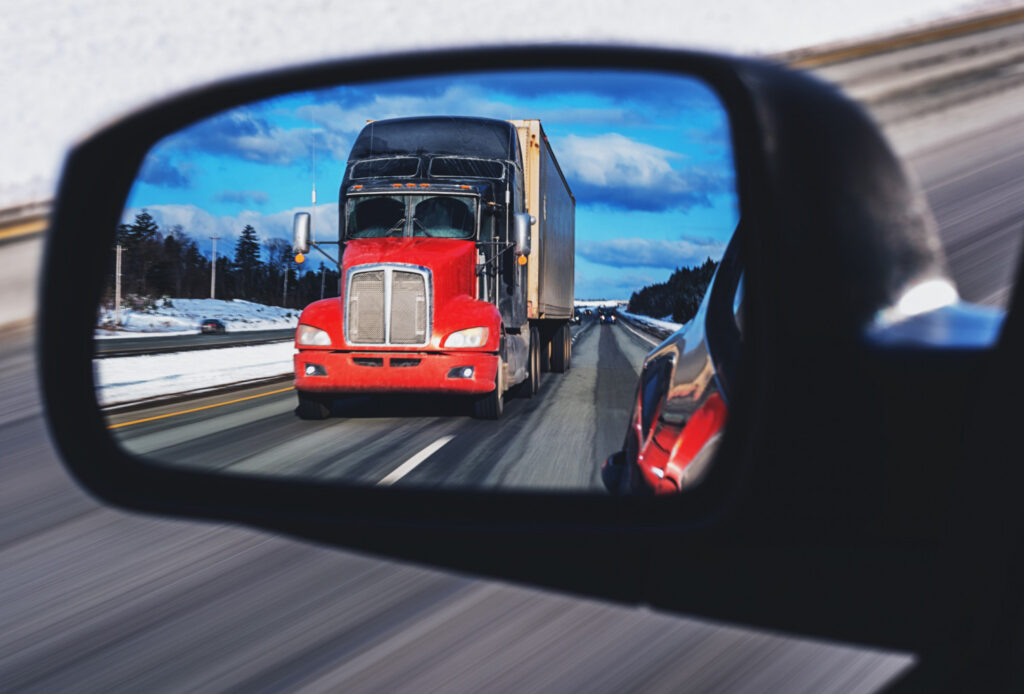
[410, 464]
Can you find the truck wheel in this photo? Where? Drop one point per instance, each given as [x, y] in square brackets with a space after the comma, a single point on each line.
[560, 350]
[313, 407]
[490, 405]
[532, 384]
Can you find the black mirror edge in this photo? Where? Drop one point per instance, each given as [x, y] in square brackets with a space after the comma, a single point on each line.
[703, 552]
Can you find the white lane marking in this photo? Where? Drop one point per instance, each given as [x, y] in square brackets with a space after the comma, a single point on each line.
[640, 334]
[410, 465]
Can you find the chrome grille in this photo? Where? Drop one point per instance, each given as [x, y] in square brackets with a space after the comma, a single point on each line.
[366, 308]
[408, 308]
[388, 305]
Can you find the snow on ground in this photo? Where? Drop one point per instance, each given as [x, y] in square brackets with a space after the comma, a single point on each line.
[127, 379]
[185, 315]
[597, 303]
[653, 322]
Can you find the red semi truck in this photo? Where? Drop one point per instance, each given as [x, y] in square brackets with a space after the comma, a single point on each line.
[456, 242]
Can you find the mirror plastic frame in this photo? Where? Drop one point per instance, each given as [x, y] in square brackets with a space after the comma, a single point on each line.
[722, 549]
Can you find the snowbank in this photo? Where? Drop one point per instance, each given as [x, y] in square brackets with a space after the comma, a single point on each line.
[126, 379]
[184, 315]
[662, 325]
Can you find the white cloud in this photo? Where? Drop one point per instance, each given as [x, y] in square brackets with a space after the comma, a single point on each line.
[201, 225]
[640, 252]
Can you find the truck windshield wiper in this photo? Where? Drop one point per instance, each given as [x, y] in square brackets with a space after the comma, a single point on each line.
[426, 231]
[397, 225]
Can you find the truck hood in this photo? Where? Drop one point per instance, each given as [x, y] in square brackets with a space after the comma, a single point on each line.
[436, 254]
[452, 265]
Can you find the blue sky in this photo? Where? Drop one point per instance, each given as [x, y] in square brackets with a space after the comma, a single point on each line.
[647, 156]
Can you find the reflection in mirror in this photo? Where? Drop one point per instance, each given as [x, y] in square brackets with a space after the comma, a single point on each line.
[461, 281]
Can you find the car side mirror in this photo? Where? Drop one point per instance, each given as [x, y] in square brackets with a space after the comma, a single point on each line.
[812, 494]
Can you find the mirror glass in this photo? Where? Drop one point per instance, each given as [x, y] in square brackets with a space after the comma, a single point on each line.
[508, 284]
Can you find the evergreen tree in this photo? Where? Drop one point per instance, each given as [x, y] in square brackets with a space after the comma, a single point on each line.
[679, 297]
[247, 262]
[142, 249]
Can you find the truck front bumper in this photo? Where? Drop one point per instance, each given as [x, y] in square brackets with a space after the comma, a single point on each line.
[329, 372]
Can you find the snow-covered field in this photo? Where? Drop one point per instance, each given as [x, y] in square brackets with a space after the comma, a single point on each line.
[127, 379]
[656, 323]
[184, 315]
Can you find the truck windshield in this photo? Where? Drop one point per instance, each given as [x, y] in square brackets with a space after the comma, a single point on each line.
[375, 216]
[443, 216]
[431, 216]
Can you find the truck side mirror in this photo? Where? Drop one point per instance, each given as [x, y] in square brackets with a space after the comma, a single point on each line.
[523, 221]
[300, 233]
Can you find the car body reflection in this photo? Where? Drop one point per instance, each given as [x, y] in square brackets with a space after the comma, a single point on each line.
[681, 403]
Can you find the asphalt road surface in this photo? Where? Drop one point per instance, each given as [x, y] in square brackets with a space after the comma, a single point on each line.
[96, 600]
[975, 187]
[573, 423]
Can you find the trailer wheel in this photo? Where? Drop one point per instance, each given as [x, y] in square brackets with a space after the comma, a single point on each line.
[546, 349]
[560, 345]
[490, 405]
[313, 406]
[532, 384]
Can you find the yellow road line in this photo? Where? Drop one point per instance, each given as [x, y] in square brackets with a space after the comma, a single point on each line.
[24, 229]
[197, 409]
[912, 38]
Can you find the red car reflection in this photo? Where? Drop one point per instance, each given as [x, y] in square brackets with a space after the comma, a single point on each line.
[681, 403]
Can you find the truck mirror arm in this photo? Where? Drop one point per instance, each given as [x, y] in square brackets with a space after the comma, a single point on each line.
[324, 253]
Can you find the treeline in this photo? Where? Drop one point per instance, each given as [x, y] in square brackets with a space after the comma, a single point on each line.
[157, 263]
[679, 297]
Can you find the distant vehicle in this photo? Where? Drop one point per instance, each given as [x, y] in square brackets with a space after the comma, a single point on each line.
[607, 318]
[576, 317]
[212, 326]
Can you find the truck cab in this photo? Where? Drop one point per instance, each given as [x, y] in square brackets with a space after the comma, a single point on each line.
[435, 246]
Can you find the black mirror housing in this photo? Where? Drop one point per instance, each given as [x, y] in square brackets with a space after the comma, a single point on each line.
[798, 526]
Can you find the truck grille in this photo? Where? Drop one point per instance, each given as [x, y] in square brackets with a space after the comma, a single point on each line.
[388, 305]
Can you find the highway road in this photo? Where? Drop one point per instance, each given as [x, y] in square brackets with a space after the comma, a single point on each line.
[580, 417]
[96, 600]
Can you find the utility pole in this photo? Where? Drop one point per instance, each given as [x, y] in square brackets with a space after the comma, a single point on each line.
[285, 300]
[117, 288]
[323, 268]
[312, 217]
[213, 269]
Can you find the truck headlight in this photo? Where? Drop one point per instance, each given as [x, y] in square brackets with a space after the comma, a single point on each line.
[470, 337]
[308, 335]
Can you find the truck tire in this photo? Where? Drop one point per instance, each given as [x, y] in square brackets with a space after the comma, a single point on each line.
[490, 405]
[313, 406]
[560, 345]
[532, 383]
[546, 349]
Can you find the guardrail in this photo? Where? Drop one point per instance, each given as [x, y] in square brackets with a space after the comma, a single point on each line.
[23, 221]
